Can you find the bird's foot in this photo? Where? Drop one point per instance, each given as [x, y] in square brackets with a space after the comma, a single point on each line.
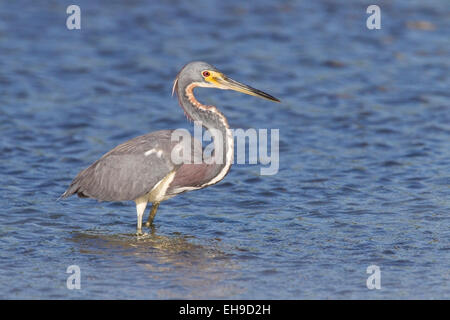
[139, 233]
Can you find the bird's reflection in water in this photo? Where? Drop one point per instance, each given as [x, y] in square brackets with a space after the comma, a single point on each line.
[180, 266]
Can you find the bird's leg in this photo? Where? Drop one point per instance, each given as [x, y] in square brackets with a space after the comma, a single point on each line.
[152, 214]
[141, 204]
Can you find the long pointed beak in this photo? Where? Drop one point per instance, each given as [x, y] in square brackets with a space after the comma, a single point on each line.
[227, 83]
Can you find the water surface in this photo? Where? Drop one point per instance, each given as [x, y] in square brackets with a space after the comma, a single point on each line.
[364, 151]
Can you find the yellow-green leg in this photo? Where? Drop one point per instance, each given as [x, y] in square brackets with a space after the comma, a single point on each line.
[152, 214]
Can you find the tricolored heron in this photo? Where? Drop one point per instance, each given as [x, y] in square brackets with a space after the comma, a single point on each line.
[142, 169]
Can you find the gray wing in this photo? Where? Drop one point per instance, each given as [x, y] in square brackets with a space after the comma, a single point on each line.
[128, 171]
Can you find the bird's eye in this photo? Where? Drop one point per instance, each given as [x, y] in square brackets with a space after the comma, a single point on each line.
[206, 74]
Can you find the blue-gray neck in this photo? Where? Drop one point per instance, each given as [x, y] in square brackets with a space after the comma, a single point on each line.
[211, 119]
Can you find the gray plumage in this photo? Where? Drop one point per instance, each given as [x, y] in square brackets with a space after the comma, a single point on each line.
[125, 172]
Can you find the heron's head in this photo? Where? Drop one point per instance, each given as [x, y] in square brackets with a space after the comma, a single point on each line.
[205, 75]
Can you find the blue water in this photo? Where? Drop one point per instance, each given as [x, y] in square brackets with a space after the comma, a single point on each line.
[364, 174]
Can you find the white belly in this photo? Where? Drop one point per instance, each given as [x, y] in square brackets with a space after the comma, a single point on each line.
[158, 193]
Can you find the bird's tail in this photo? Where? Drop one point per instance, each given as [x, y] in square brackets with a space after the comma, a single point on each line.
[73, 189]
[66, 194]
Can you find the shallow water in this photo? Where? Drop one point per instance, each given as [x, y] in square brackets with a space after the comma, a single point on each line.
[364, 151]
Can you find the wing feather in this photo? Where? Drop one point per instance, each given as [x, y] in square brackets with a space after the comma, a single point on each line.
[126, 172]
